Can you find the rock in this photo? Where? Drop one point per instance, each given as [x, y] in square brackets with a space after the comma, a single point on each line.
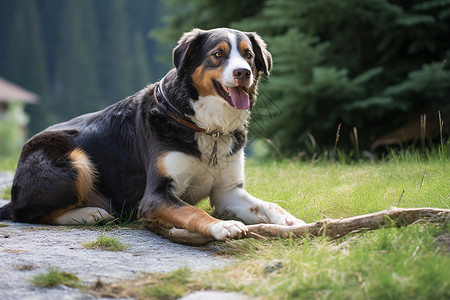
[273, 266]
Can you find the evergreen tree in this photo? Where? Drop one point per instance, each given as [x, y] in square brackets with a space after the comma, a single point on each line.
[354, 62]
[380, 60]
[77, 89]
[6, 11]
[143, 15]
[115, 59]
[25, 63]
[83, 58]
[205, 14]
[141, 75]
[50, 13]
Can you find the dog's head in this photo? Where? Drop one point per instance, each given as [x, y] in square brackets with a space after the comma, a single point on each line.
[223, 65]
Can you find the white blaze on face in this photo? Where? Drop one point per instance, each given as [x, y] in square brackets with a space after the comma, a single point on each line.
[225, 113]
[235, 61]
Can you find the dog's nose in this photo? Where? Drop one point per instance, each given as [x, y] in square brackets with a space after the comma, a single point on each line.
[242, 76]
[241, 73]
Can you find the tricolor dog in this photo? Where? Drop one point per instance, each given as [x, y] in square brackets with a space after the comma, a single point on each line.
[158, 152]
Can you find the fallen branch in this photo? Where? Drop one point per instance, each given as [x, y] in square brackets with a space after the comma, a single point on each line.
[334, 228]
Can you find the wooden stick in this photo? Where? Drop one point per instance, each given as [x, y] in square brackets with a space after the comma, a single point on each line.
[334, 228]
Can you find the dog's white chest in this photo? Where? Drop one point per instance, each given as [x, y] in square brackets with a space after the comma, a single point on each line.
[193, 179]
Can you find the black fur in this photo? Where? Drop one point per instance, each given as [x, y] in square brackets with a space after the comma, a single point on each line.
[123, 142]
[6, 212]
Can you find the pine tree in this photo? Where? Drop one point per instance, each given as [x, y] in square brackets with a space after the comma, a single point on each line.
[142, 16]
[141, 75]
[6, 11]
[366, 62]
[356, 62]
[82, 46]
[205, 14]
[25, 63]
[115, 59]
[77, 88]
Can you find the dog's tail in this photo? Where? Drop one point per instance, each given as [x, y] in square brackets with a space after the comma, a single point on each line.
[6, 212]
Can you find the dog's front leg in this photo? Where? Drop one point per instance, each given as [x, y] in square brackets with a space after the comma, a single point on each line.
[174, 212]
[237, 202]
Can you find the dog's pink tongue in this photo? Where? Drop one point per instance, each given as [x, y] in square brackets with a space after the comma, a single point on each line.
[239, 98]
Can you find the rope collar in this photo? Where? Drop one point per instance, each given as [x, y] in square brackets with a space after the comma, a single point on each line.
[214, 134]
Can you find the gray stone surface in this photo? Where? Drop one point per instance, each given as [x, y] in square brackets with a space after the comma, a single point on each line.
[6, 179]
[211, 295]
[40, 247]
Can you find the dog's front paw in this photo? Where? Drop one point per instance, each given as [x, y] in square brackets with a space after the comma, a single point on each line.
[227, 230]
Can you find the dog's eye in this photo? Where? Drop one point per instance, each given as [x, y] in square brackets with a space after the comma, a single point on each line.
[249, 55]
[218, 54]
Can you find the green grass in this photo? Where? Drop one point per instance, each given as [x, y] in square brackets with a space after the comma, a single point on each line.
[9, 163]
[125, 219]
[108, 243]
[386, 264]
[54, 277]
[5, 194]
[393, 263]
[390, 263]
[313, 191]
[173, 285]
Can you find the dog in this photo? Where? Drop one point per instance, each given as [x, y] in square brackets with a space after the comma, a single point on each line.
[158, 152]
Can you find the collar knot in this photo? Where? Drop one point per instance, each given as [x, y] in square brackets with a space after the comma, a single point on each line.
[215, 134]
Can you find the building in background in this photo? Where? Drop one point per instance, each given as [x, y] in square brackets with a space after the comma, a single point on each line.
[13, 119]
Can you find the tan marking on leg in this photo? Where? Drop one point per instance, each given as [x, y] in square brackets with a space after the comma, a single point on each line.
[254, 209]
[203, 80]
[87, 196]
[160, 165]
[86, 174]
[277, 208]
[51, 217]
[187, 217]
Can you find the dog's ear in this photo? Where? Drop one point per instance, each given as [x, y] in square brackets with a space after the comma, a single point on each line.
[263, 58]
[185, 48]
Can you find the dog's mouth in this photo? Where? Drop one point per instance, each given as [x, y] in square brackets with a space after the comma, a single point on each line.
[235, 96]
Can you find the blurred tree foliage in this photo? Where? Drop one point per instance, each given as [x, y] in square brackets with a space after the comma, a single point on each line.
[26, 51]
[372, 64]
[369, 64]
[77, 79]
[78, 55]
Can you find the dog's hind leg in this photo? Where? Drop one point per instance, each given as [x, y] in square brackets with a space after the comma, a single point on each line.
[80, 216]
[90, 206]
[53, 178]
